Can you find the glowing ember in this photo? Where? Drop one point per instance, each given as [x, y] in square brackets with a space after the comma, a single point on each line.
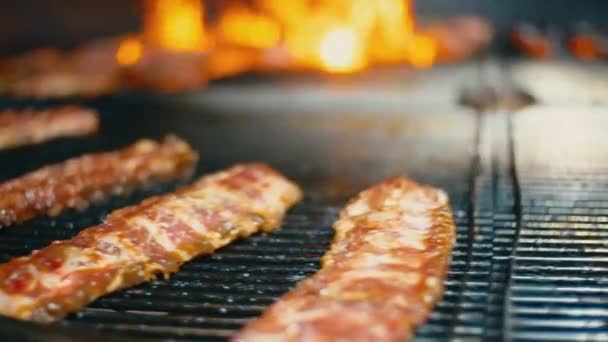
[341, 51]
[130, 51]
[175, 25]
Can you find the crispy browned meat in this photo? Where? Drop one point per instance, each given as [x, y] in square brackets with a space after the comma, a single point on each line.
[381, 277]
[91, 69]
[587, 42]
[135, 244]
[76, 182]
[15, 68]
[167, 71]
[459, 38]
[88, 70]
[24, 127]
[531, 41]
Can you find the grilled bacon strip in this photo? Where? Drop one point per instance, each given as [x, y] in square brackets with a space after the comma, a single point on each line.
[76, 182]
[381, 277]
[88, 70]
[136, 243]
[23, 127]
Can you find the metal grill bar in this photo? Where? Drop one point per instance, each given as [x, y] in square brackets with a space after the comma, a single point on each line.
[559, 266]
[554, 290]
[211, 298]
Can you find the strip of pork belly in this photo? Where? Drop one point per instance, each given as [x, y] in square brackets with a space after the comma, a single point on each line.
[136, 243]
[77, 182]
[381, 277]
[24, 127]
[88, 70]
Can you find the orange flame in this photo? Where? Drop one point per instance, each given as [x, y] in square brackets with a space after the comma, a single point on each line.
[175, 25]
[241, 26]
[422, 51]
[337, 36]
[347, 35]
[340, 51]
[130, 51]
[169, 25]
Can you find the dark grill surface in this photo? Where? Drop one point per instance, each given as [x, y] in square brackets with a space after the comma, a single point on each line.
[531, 260]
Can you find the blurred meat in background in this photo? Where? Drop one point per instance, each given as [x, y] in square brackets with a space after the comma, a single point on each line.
[181, 44]
[174, 45]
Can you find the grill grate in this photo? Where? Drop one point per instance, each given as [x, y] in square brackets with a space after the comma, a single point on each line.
[557, 287]
[214, 296]
[531, 262]
[561, 263]
[211, 298]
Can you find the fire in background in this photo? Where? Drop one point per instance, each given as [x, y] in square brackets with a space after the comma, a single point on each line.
[337, 36]
[176, 25]
[185, 43]
[332, 35]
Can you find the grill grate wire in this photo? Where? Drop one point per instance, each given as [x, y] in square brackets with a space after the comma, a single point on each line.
[551, 286]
